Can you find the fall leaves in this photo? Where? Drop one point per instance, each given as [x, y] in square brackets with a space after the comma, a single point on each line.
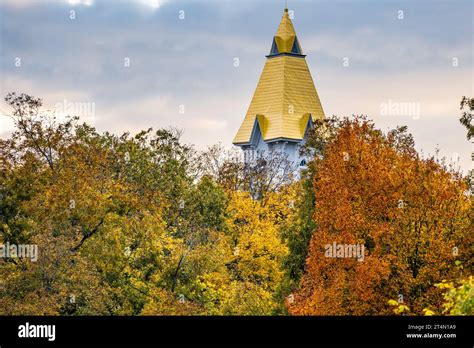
[140, 225]
[412, 215]
[146, 225]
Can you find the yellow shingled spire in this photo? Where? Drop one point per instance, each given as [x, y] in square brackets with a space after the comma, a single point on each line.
[285, 97]
[286, 35]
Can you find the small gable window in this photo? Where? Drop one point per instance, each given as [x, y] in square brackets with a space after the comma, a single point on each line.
[274, 48]
[296, 47]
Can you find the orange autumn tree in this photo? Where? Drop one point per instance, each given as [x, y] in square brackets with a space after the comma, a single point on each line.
[411, 215]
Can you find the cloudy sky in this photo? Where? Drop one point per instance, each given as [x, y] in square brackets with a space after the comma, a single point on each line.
[130, 65]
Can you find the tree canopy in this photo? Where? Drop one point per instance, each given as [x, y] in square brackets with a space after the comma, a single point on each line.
[147, 225]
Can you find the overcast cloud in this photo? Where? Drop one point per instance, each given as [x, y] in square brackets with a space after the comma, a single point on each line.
[182, 71]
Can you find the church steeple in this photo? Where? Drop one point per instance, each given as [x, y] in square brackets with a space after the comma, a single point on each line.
[285, 102]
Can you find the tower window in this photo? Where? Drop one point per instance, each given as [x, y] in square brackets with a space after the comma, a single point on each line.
[303, 163]
[274, 49]
[296, 47]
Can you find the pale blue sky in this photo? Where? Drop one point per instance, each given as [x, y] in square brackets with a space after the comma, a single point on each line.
[190, 62]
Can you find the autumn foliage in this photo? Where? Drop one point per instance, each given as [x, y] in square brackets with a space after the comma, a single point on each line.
[413, 216]
[146, 225]
[134, 225]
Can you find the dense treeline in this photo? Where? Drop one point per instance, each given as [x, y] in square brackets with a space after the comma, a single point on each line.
[146, 225]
